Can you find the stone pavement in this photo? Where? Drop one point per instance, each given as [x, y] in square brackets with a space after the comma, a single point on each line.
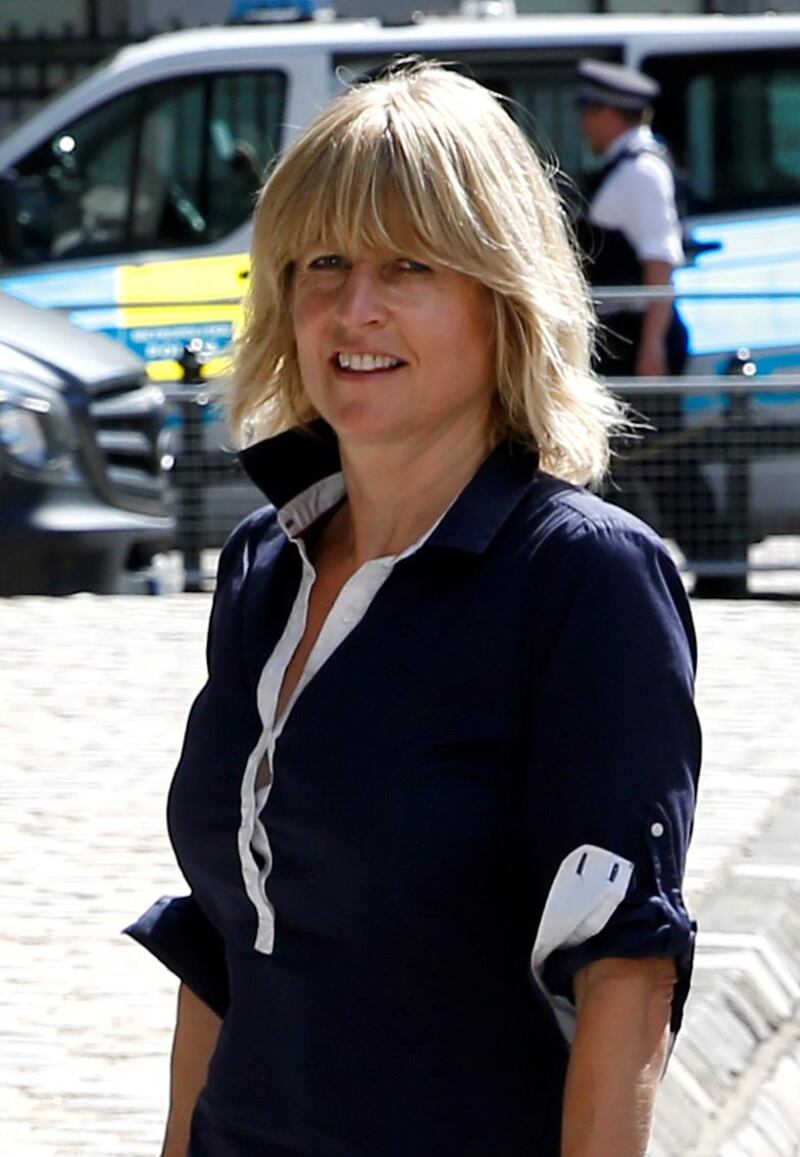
[94, 693]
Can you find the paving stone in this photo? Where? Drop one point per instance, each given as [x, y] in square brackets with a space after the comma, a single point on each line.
[769, 1120]
[95, 694]
[783, 1088]
[751, 1142]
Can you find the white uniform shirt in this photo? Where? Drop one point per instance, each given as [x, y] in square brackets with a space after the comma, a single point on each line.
[638, 198]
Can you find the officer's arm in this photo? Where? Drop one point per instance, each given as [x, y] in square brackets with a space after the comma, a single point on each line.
[196, 1032]
[651, 358]
[617, 1057]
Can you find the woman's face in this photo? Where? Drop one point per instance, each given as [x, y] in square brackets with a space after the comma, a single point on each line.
[391, 349]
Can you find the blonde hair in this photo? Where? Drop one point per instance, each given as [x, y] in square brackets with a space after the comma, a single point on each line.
[474, 197]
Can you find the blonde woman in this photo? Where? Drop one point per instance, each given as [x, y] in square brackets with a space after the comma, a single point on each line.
[434, 799]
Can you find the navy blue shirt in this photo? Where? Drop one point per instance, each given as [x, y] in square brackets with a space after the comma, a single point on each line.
[520, 688]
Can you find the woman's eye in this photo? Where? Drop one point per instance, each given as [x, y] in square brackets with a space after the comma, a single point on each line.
[408, 265]
[326, 261]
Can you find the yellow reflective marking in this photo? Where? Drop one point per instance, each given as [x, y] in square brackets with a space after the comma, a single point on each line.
[190, 280]
[134, 317]
[168, 370]
[218, 367]
[167, 302]
[164, 371]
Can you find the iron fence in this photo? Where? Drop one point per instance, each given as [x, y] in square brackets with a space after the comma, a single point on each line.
[32, 68]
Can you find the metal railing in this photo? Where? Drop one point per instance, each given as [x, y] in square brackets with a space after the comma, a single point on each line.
[715, 466]
[717, 474]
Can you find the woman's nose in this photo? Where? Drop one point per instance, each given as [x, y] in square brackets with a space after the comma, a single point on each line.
[361, 300]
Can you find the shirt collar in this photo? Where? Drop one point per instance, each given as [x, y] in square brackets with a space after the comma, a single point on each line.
[639, 135]
[304, 509]
[288, 465]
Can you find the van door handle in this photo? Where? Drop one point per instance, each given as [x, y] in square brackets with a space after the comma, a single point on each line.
[692, 249]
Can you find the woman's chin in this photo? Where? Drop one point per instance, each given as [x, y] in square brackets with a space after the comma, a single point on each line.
[357, 424]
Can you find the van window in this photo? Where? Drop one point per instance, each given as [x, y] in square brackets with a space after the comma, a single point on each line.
[731, 121]
[74, 188]
[173, 165]
[541, 83]
[543, 99]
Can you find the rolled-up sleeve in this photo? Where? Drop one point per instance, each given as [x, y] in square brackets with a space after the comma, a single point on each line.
[178, 934]
[613, 759]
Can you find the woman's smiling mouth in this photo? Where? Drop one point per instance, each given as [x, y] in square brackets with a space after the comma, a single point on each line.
[363, 363]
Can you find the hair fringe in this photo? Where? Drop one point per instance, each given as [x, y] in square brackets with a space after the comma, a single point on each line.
[475, 198]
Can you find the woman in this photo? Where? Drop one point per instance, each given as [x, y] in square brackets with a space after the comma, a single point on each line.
[435, 796]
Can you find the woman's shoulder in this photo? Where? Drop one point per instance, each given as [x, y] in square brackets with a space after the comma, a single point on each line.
[584, 556]
[564, 515]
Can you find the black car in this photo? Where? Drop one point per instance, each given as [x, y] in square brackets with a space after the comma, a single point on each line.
[84, 457]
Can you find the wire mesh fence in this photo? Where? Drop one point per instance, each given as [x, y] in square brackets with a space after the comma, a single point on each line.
[716, 470]
[714, 467]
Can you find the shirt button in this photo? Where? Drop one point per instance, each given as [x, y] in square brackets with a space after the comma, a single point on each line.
[347, 616]
[657, 829]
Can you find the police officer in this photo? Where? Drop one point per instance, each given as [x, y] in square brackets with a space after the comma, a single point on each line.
[631, 233]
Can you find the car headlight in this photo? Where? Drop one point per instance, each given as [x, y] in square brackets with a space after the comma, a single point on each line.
[36, 435]
[22, 436]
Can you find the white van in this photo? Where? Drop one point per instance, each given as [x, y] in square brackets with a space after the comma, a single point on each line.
[126, 200]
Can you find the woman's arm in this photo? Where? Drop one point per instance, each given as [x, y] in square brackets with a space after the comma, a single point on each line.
[623, 1013]
[196, 1032]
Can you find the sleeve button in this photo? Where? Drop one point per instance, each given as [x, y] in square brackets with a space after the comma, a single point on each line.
[657, 829]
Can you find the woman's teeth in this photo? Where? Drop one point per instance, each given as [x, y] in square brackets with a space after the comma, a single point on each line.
[363, 363]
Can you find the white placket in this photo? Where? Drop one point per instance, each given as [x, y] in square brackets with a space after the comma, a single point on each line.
[252, 833]
[346, 613]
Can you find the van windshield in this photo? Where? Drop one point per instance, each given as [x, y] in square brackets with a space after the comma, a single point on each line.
[173, 164]
[732, 125]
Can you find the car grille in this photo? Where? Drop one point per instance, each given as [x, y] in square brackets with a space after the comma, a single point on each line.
[128, 417]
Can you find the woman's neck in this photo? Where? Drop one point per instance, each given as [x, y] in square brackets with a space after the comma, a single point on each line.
[395, 494]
